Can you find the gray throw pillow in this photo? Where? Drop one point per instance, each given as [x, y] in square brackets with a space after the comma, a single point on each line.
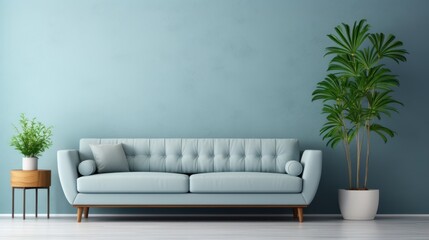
[110, 158]
[87, 167]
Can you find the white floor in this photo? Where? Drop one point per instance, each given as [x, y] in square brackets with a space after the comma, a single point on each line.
[314, 227]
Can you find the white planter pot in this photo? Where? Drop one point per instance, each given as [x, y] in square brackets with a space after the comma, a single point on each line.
[29, 163]
[358, 204]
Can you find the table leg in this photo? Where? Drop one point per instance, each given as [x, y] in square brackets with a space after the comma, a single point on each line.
[48, 201]
[13, 202]
[23, 204]
[36, 200]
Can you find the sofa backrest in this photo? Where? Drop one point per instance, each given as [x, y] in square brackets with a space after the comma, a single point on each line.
[201, 155]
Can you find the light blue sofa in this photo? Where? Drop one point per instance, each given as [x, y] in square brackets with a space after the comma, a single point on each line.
[194, 173]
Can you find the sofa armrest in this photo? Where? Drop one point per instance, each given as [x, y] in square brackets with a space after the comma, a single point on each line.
[312, 162]
[68, 162]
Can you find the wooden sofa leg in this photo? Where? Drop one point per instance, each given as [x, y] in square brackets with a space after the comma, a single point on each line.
[86, 212]
[79, 214]
[300, 213]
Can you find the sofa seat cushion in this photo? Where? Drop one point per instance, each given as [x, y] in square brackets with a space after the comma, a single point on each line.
[134, 182]
[244, 182]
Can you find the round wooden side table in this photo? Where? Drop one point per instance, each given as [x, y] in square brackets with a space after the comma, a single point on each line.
[37, 179]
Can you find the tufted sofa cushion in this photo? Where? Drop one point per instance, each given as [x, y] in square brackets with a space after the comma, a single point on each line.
[202, 155]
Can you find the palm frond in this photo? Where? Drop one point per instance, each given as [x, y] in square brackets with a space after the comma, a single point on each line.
[382, 131]
[381, 103]
[345, 65]
[380, 78]
[348, 39]
[388, 47]
[334, 130]
[331, 88]
[367, 58]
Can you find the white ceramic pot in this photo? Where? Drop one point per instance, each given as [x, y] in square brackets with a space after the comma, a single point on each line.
[29, 163]
[358, 204]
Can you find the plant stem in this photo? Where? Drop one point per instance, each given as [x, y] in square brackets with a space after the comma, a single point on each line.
[347, 150]
[368, 136]
[358, 152]
[368, 140]
[349, 162]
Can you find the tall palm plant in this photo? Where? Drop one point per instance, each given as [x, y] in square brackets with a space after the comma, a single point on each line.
[357, 92]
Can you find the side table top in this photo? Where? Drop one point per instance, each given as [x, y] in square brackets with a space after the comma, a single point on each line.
[38, 170]
[36, 178]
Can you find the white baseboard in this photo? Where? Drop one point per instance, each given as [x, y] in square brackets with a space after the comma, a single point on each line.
[42, 215]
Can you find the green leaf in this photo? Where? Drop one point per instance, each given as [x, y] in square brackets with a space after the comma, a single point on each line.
[348, 39]
[379, 78]
[344, 65]
[382, 131]
[330, 89]
[333, 129]
[367, 58]
[388, 48]
[381, 103]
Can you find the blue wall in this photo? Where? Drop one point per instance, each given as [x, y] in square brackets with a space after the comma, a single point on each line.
[204, 68]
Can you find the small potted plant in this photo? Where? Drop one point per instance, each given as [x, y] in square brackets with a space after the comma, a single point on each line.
[31, 140]
[356, 94]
